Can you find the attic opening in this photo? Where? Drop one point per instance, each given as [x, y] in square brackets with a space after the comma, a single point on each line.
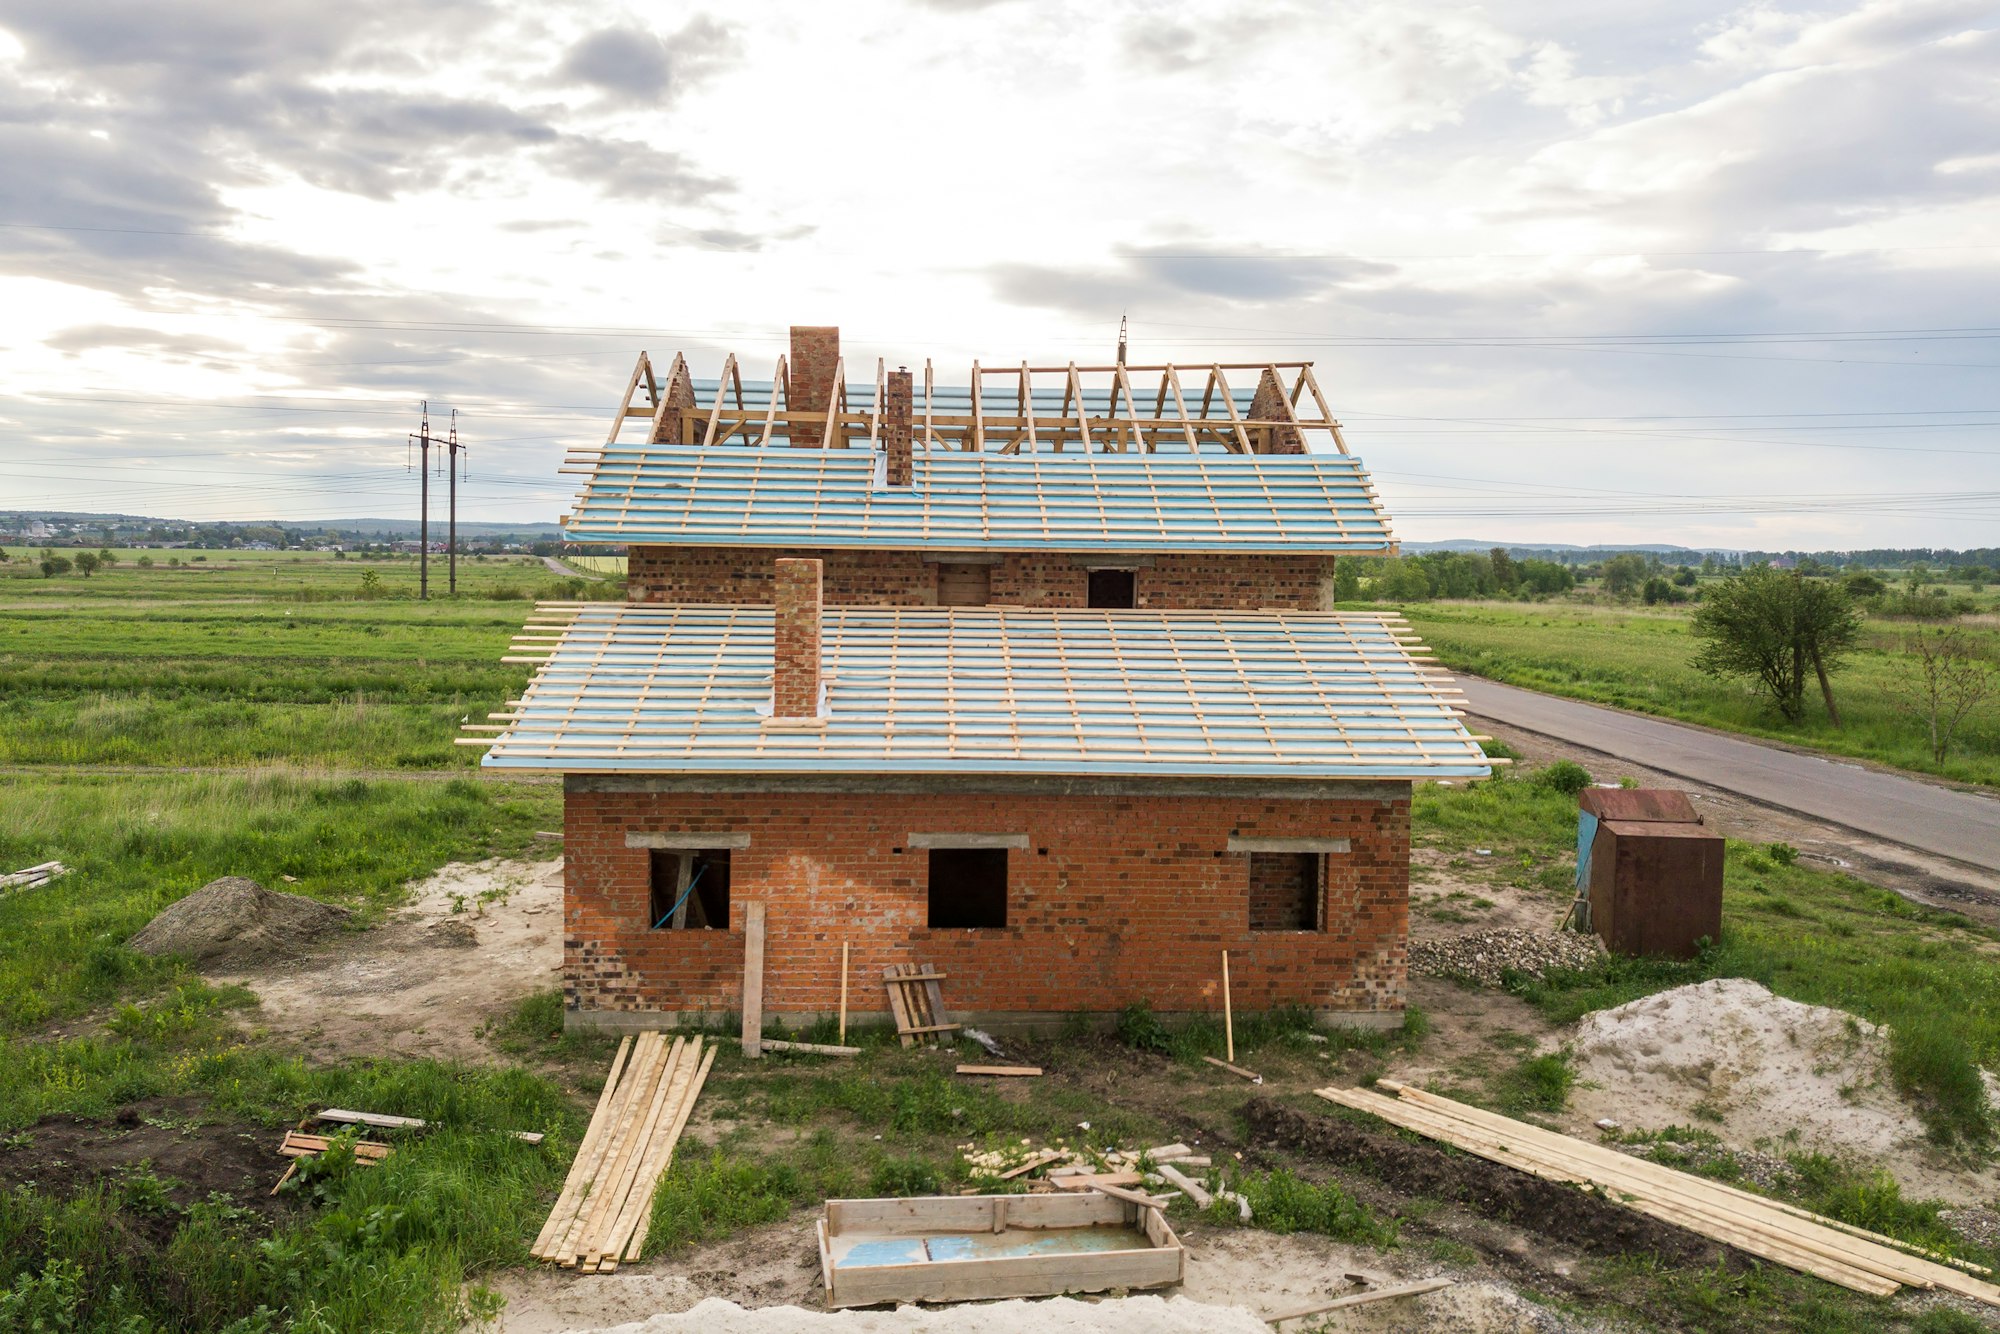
[968, 888]
[690, 890]
[1284, 891]
[1113, 588]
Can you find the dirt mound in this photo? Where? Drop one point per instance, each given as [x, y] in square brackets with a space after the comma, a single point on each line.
[1730, 1055]
[1551, 1208]
[237, 923]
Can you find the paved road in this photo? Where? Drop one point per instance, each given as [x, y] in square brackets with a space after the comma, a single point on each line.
[1901, 810]
[560, 568]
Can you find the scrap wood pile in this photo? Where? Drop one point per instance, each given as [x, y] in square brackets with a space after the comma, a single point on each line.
[1784, 1234]
[1060, 1168]
[606, 1205]
[32, 876]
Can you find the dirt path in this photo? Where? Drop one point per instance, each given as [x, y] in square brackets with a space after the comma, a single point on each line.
[473, 941]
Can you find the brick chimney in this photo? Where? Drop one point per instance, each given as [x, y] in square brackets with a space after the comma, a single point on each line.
[815, 353]
[896, 421]
[796, 600]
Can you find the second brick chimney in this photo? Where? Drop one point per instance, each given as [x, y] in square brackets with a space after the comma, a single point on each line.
[897, 413]
[814, 357]
[796, 601]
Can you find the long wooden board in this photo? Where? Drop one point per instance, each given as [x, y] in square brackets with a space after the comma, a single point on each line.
[1781, 1233]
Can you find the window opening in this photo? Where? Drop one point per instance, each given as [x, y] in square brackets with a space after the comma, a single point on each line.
[968, 888]
[1113, 588]
[1284, 891]
[690, 890]
[964, 585]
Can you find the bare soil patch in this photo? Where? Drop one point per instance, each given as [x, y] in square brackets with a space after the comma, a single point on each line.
[1552, 1209]
[192, 1154]
[474, 940]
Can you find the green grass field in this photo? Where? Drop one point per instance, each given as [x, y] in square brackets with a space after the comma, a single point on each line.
[1638, 659]
[259, 658]
[273, 669]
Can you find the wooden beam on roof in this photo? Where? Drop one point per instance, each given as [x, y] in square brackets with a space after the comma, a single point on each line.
[780, 375]
[978, 418]
[875, 410]
[1131, 410]
[1172, 379]
[639, 368]
[721, 388]
[1312, 383]
[1218, 380]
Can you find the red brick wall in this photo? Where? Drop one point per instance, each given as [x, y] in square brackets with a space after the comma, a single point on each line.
[1118, 899]
[795, 640]
[904, 578]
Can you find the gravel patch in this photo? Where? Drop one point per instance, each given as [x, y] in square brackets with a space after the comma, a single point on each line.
[1484, 956]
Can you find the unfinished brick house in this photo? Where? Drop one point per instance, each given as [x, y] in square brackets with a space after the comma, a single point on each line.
[1032, 679]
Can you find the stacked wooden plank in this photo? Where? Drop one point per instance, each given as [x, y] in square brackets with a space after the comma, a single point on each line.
[917, 1003]
[1784, 1234]
[606, 1205]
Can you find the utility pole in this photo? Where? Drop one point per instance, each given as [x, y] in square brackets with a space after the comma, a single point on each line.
[423, 441]
[1121, 340]
[451, 542]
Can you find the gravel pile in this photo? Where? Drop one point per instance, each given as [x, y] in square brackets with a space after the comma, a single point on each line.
[1981, 1227]
[1485, 955]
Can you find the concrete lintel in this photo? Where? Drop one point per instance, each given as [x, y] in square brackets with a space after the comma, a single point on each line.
[967, 841]
[1288, 845]
[1113, 562]
[687, 842]
[1024, 1022]
[861, 785]
[964, 558]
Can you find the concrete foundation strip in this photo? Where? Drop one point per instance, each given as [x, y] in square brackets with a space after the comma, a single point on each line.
[1784, 1234]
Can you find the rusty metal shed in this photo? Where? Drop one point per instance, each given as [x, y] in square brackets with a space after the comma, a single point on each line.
[1653, 871]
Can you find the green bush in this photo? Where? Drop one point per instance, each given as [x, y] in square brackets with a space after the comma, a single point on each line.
[1564, 776]
[1141, 1030]
[1281, 1202]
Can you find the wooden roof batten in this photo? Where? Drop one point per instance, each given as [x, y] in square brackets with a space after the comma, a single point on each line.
[1046, 408]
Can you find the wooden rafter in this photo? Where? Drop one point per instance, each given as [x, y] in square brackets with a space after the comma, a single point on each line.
[1099, 409]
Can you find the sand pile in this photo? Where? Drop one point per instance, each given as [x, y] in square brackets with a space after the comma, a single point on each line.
[1731, 1057]
[1061, 1315]
[237, 923]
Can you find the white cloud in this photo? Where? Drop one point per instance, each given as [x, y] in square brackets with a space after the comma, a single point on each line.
[369, 201]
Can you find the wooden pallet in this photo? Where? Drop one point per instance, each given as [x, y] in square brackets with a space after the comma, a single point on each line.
[917, 1003]
[606, 1204]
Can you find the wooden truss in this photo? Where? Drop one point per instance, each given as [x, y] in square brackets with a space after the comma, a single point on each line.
[1003, 410]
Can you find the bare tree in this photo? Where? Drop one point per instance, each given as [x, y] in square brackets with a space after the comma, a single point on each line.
[1944, 680]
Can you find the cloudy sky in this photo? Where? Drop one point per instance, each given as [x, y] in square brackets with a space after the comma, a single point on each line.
[1569, 271]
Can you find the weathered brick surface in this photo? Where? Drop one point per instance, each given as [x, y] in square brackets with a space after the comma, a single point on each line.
[810, 366]
[903, 578]
[897, 413]
[795, 639]
[1119, 899]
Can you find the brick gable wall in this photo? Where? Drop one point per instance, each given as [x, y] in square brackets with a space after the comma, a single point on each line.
[1117, 899]
[905, 578]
